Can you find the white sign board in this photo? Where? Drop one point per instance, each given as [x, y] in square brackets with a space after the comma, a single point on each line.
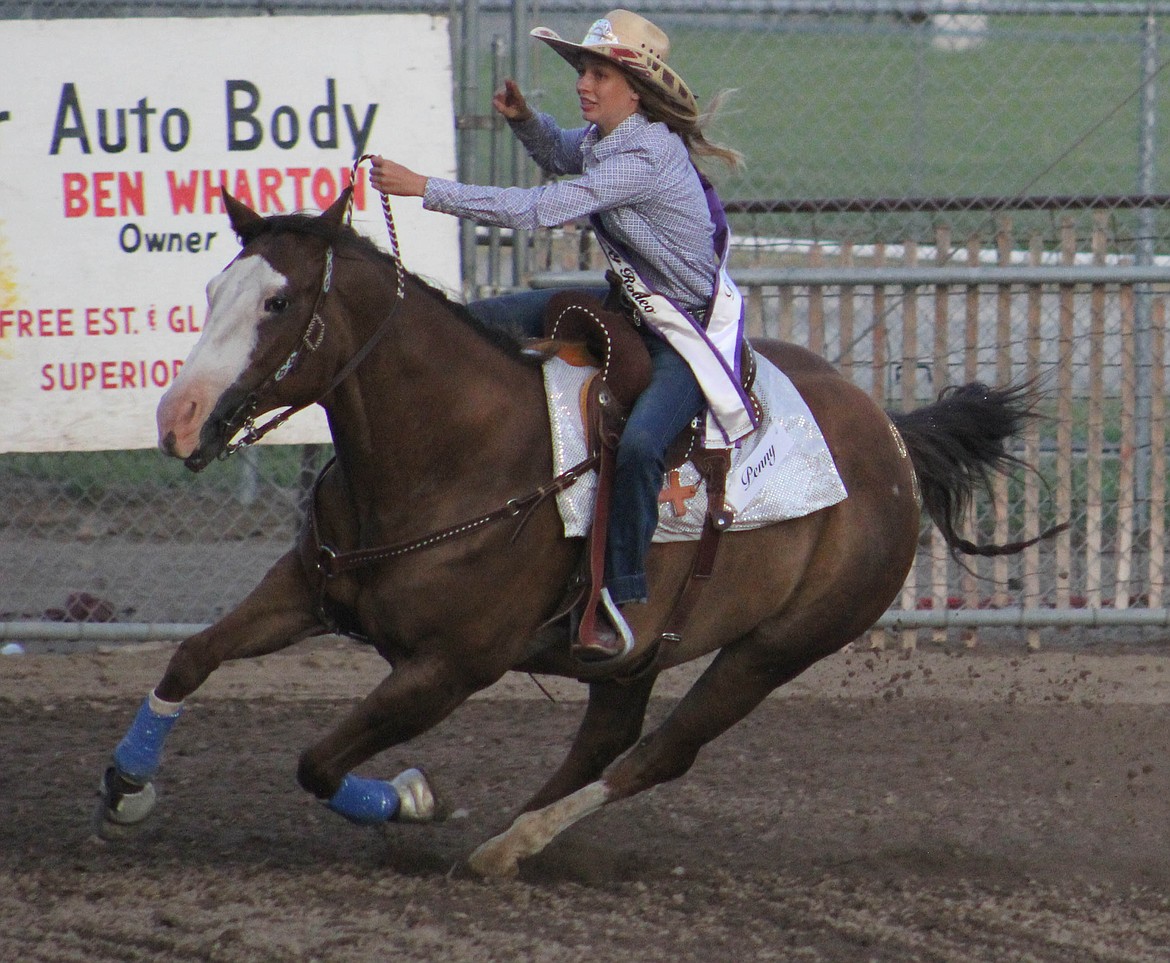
[115, 136]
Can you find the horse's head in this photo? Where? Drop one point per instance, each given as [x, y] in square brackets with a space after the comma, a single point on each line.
[260, 316]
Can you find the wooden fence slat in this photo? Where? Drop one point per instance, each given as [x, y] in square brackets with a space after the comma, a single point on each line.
[1004, 243]
[880, 336]
[878, 355]
[908, 375]
[756, 327]
[572, 243]
[1096, 427]
[816, 305]
[968, 580]
[1031, 579]
[971, 316]
[1157, 566]
[845, 309]
[786, 321]
[1125, 472]
[1064, 382]
[908, 362]
[939, 376]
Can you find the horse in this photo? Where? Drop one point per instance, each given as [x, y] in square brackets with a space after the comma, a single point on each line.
[433, 537]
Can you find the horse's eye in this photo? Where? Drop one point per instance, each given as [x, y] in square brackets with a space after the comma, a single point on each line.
[275, 305]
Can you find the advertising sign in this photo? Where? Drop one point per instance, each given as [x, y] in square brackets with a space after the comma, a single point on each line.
[115, 136]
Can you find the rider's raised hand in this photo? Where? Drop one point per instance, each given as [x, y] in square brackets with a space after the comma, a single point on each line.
[510, 103]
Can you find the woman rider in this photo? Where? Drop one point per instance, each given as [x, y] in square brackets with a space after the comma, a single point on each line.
[631, 171]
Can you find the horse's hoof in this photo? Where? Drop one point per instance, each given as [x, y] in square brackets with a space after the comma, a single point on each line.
[417, 800]
[492, 860]
[122, 805]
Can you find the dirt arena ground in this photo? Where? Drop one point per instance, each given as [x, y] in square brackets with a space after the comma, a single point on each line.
[942, 805]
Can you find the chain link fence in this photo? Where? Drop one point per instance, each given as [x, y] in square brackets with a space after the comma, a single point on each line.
[879, 137]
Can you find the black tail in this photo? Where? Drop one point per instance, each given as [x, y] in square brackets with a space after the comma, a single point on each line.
[958, 445]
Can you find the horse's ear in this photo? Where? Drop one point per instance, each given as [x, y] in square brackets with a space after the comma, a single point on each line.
[243, 219]
[336, 213]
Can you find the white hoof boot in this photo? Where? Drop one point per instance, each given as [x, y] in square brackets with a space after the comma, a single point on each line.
[417, 802]
[121, 805]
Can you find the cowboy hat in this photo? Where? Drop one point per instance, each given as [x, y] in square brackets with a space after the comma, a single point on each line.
[634, 44]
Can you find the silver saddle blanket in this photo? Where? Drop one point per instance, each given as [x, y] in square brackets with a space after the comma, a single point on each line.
[781, 470]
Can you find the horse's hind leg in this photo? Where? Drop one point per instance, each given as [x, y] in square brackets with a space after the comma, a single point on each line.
[611, 725]
[277, 613]
[736, 682]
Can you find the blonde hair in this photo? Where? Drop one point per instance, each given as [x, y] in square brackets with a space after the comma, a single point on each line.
[658, 107]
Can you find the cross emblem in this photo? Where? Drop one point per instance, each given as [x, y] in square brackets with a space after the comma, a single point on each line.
[676, 494]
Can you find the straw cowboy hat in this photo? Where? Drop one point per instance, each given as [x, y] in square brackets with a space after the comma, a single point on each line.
[634, 44]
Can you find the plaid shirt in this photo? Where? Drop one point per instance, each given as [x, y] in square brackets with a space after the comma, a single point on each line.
[640, 181]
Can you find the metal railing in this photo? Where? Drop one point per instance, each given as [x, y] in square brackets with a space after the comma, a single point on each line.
[893, 299]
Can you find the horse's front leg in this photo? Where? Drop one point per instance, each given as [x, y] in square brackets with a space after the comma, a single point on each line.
[277, 613]
[418, 694]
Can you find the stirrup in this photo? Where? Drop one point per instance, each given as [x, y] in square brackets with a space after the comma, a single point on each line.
[607, 610]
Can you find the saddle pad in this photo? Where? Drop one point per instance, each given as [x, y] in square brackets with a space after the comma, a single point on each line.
[783, 469]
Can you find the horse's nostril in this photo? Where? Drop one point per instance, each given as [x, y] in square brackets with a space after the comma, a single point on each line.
[190, 413]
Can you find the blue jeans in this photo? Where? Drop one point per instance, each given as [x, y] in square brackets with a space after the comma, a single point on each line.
[521, 314]
[662, 411]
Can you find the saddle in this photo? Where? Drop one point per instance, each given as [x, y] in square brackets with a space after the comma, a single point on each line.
[584, 330]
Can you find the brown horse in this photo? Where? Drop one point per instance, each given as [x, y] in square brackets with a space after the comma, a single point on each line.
[442, 476]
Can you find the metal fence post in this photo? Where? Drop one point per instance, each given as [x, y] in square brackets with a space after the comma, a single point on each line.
[1144, 255]
[466, 127]
[520, 169]
[495, 167]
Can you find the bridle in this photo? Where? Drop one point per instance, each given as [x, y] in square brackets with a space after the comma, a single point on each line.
[311, 339]
[331, 562]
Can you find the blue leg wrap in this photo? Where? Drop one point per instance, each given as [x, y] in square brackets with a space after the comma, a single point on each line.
[366, 802]
[138, 754]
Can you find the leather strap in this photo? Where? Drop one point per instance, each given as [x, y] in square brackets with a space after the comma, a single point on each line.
[253, 432]
[331, 562]
[713, 464]
[604, 417]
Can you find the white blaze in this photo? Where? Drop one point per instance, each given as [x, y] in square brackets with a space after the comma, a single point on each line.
[235, 308]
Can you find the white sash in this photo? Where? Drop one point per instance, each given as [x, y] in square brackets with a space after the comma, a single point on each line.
[711, 353]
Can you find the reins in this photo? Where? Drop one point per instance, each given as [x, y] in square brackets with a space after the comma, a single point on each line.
[314, 335]
[331, 562]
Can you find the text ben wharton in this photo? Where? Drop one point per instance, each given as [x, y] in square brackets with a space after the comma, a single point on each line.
[248, 126]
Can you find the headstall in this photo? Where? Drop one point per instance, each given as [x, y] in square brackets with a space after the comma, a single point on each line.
[314, 335]
[331, 562]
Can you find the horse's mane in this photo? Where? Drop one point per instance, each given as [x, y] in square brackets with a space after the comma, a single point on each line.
[344, 237]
